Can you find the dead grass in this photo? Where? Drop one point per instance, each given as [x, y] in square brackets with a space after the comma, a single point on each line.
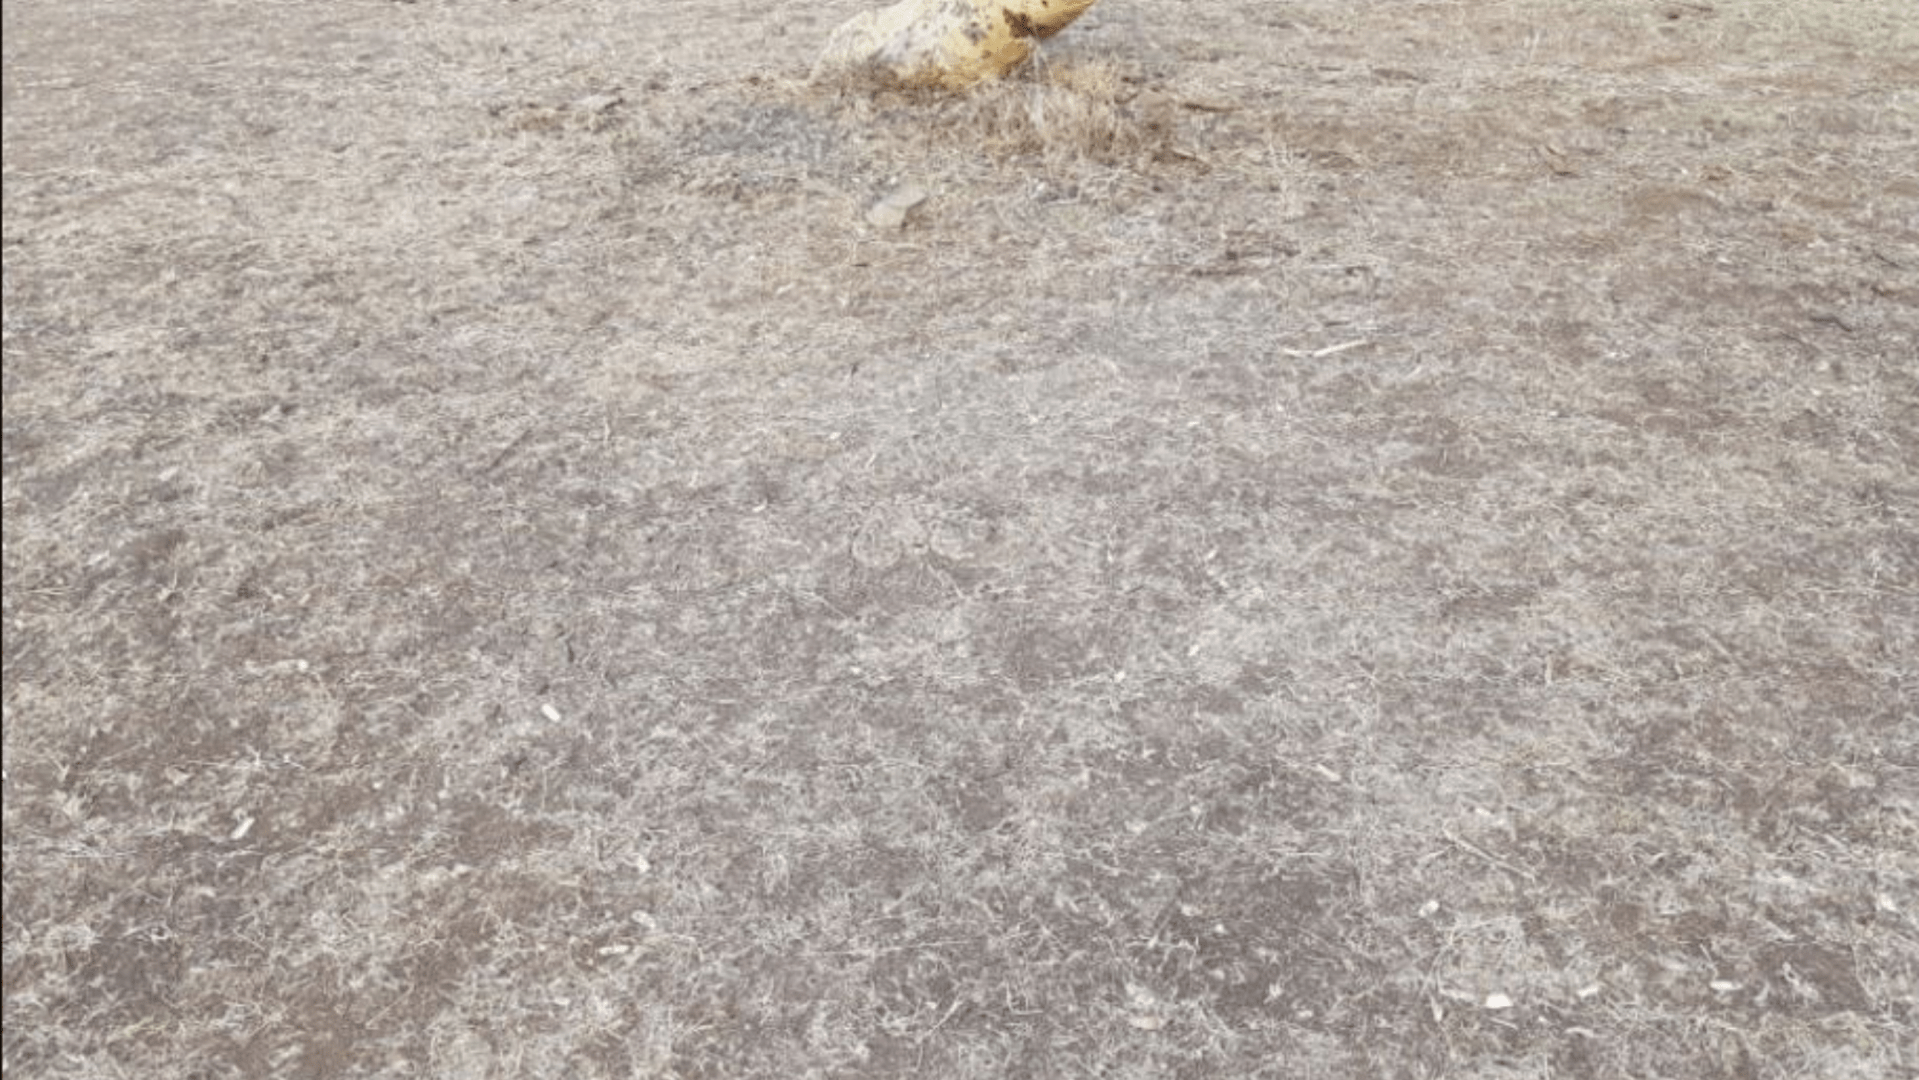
[1327, 514]
[1056, 114]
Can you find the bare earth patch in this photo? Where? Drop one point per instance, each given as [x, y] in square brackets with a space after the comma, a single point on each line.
[1338, 540]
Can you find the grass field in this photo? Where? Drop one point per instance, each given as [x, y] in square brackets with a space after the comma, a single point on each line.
[1342, 539]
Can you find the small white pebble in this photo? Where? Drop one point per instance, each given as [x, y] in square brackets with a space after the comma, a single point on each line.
[551, 713]
[1498, 1001]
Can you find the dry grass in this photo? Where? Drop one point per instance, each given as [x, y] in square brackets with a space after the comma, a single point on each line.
[1329, 513]
[1054, 114]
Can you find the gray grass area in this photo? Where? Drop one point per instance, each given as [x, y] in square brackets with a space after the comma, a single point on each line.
[1340, 540]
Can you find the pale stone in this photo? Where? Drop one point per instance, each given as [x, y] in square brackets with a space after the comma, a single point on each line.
[950, 43]
[890, 212]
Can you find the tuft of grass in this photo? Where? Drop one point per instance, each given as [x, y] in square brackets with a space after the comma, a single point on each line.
[1070, 111]
[1060, 113]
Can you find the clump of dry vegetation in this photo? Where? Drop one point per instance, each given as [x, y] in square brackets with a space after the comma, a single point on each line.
[1376, 543]
[1066, 111]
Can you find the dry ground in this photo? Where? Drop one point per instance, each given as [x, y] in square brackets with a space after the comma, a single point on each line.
[1344, 539]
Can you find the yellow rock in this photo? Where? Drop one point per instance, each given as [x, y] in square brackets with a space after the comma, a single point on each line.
[950, 43]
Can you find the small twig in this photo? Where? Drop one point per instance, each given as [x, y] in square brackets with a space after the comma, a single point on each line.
[1473, 849]
[950, 1010]
[1330, 350]
[506, 451]
[1202, 105]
